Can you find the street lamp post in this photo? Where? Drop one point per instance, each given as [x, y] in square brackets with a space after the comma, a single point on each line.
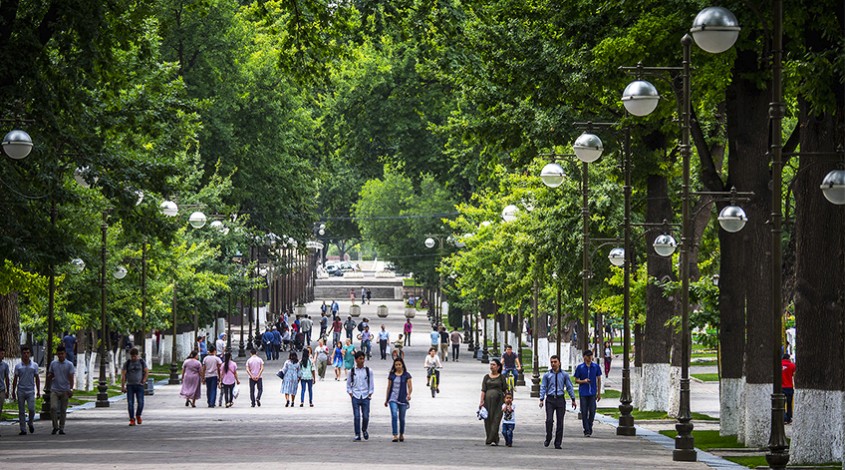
[535, 336]
[715, 30]
[102, 388]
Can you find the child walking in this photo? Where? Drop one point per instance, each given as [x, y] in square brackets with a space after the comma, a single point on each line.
[508, 419]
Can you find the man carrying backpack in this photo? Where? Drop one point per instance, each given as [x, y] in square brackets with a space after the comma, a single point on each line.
[360, 386]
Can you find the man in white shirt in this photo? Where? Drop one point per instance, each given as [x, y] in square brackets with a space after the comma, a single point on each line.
[360, 386]
[254, 368]
[211, 374]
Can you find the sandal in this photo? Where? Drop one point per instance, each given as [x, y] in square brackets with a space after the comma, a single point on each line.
[395, 439]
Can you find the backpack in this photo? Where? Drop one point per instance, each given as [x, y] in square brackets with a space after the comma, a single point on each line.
[361, 326]
[366, 369]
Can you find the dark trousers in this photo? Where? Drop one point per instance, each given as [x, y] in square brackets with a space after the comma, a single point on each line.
[382, 345]
[408, 339]
[588, 413]
[135, 395]
[361, 413]
[456, 351]
[253, 384]
[211, 390]
[555, 409]
[276, 348]
[789, 393]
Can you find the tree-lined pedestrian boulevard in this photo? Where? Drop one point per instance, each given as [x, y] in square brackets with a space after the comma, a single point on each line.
[442, 431]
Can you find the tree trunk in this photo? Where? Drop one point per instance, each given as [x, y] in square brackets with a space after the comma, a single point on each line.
[819, 260]
[731, 330]
[10, 325]
[747, 111]
[657, 336]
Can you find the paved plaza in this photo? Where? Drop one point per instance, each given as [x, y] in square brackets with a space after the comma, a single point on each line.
[442, 432]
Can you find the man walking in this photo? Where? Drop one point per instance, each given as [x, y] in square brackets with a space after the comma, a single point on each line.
[133, 376]
[60, 382]
[588, 378]
[276, 343]
[254, 368]
[337, 327]
[349, 325]
[335, 309]
[69, 342]
[435, 338]
[787, 368]
[211, 373]
[552, 387]
[306, 325]
[383, 339]
[267, 340]
[360, 386]
[26, 387]
[324, 325]
[456, 340]
[444, 344]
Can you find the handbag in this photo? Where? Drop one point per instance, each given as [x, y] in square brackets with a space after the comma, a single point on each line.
[281, 374]
[482, 413]
[236, 391]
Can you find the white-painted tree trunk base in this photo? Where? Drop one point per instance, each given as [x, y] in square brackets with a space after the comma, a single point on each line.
[566, 354]
[637, 387]
[574, 357]
[817, 433]
[758, 414]
[543, 352]
[673, 405]
[730, 406]
[654, 386]
[740, 435]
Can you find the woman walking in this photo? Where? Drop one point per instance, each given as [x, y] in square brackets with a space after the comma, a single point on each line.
[306, 378]
[321, 356]
[348, 357]
[398, 397]
[229, 370]
[291, 379]
[608, 357]
[492, 398]
[191, 381]
[337, 361]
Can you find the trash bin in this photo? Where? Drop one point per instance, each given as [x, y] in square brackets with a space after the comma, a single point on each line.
[150, 390]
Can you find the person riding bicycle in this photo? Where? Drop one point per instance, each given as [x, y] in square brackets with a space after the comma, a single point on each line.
[433, 365]
[510, 361]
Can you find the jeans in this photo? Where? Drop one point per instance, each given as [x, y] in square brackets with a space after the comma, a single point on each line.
[555, 409]
[361, 412]
[366, 346]
[348, 334]
[397, 417]
[268, 350]
[252, 386]
[382, 345]
[507, 431]
[335, 337]
[789, 393]
[58, 409]
[307, 337]
[407, 338]
[588, 413]
[211, 390]
[306, 383]
[227, 392]
[135, 392]
[27, 399]
[456, 351]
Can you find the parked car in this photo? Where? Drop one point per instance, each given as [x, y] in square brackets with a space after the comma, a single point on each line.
[334, 270]
[346, 266]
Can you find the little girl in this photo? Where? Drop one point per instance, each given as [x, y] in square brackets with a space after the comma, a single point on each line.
[508, 419]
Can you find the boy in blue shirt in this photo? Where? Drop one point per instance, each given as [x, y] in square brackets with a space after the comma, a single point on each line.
[588, 377]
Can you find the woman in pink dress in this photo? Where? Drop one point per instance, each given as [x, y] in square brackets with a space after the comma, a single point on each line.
[191, 381]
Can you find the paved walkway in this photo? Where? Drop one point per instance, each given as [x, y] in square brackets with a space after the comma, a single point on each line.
[441, 431]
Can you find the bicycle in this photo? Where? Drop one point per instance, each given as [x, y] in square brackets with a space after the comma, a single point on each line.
[510, 379]
[432, 380]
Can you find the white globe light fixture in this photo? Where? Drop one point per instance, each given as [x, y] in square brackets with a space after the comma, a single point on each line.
[486, 223]
[715, 29]
[509, 213]
[664, 245]
[81, 175]
[119, 272]
[321, 232]
[732, 218]
[169, 208]
[833, 187]
[640, 98]
[17, 144]
[552, 175]
[588, 147]
[78, 265]
[429, 242]
[617, 257]
[197, 220]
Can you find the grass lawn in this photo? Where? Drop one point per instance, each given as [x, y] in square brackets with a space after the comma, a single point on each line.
[705, 363]
[653, 415]
[752, 461]
[707, 440]
[706, 377]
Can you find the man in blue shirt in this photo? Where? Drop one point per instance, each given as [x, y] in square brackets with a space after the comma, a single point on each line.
[588, 378]
[267, 339]
[552, 387]
[360, 385]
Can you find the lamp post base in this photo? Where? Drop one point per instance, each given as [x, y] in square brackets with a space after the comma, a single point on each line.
[174, 374]
[535, 385]
[520, 379]
[45, 405]
[102, 395]
[241, 350]
[485, 356]
[684, 443]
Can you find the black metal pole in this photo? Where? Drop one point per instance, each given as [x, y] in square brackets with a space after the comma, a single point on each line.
[778, 455]
[241, 345]
[174, 366]
[485, 354]
[684, 441]
[51, 316]
[228, 324]
[626, 420]
[583, 342]
[535, 335]
[557, 320]
[102, 388]
[144, 299]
